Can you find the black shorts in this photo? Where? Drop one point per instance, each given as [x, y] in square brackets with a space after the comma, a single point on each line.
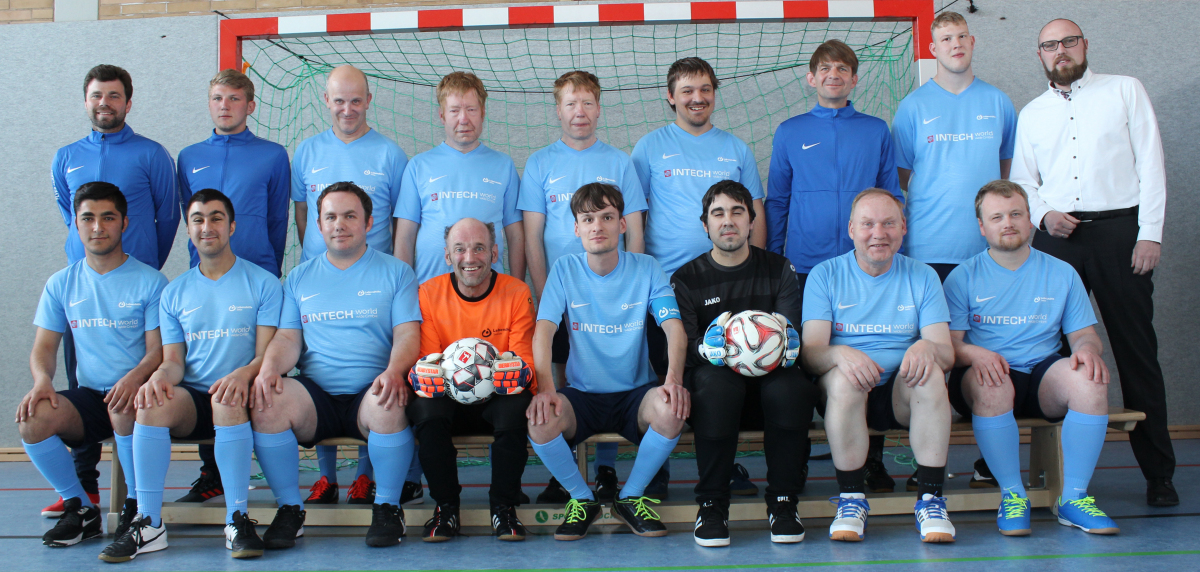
[93, 411]
[1025, 386]
[337, 415]
[881, 416]
[204, 414]
[560, 346]
[606, 412]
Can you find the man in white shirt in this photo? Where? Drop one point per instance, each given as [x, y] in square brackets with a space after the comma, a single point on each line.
[1090, 157]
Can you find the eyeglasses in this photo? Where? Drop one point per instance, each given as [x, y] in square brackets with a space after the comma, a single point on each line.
[1067, 42]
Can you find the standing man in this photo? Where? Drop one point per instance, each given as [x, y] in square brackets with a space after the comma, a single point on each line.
[820, 161]
[734, 277]
[550, 179]
[1090, 157]
[460, 178]
[145, 174]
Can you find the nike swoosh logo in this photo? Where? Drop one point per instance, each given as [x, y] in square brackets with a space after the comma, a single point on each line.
[303, 298]
[77, 302]
[319, 170]
[431, 179]
[809, 146]
[194, 171]
[978, 299]
[574, 305]
[552, 181]
[666, 156]
[186, 312]
[841, 307]
[928, 121]
[73, 169]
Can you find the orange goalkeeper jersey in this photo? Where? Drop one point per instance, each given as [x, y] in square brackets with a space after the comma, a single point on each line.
[504, 316]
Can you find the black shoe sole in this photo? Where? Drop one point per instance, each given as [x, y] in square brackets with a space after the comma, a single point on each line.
[648, 533]
[64, 544]
[283, 543]
[383, 542]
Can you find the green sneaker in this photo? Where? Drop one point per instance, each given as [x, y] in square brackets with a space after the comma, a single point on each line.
[638, 516]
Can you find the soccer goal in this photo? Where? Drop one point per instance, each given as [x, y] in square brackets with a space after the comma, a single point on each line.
[759, 49]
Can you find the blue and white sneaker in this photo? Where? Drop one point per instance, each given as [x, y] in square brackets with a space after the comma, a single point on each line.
[850, 522]
[1085, 515]
[933, 522]
[1013, 516]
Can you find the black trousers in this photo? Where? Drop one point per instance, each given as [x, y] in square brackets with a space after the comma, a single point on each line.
[1101, 252]
[438, 419]
[724, 402]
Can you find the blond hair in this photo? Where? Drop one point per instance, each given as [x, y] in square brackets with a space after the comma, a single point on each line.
[234, 79]
[579, 80]
[461, 82]
[999, 187]
[946, 18]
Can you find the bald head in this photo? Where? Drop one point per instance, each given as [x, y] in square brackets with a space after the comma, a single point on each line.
[347, 77]
[471, 228]
[1059, 29]
[348, 99]
[470, 251]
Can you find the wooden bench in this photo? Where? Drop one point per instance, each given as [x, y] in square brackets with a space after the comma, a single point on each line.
[1045, 485]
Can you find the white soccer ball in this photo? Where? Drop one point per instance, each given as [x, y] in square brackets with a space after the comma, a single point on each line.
[754, 343]
[467, 365]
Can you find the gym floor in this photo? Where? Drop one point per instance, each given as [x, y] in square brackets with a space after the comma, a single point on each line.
[1150, 539]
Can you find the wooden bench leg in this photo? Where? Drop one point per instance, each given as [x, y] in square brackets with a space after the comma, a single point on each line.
[116, 491]
[1046, 456]
[581, 457]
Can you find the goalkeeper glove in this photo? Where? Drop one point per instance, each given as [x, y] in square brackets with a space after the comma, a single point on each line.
[712, 347]
[792, 351]
[510, 374]
[426, 376]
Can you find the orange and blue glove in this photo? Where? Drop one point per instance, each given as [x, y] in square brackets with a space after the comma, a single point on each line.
[427, 377]
[510, 374]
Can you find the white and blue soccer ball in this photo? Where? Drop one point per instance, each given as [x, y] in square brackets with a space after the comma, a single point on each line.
[754, 343]
[467, 365]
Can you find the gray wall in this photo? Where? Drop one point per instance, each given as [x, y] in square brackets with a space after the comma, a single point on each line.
[172, 59]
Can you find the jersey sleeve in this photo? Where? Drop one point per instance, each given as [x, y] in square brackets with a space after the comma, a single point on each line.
[817, 305]
[512, 194]
[167, 206]
[62, 191]
[51, 314]
[522, 326]
[278, 187]
[662, 300]
[902, 137]
[887, 178]
[553, 303]
[408, 204]
[153, 299]
[532, 197]
[1077, 313]
[779, 193]
[405, 307]
[749, 171]
[958, 301]
[431, 341]
[631, 189]
[1009, 115]
[168, 322]
[184, 187]
[289, 313]
[270, 303]
[641, 164]
[932, 307]
[684, 299]
[298, 176]
[396, 176]
[787, 299]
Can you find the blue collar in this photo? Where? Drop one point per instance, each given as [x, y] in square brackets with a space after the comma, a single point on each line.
[229, 140]
[121, 136]
[843, 112]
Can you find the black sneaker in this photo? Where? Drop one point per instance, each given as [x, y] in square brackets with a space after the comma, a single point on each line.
[443, 525]
[983, 479]
[362, 491]
[1161, 492]
[242, 538]
[206, 487]
[712, 524]
[75, 525]
[506, 525]
[657, 488]
[387, 525]
[606, 484]
[287, 526]
[876, 477]
[555, 493]
[412, 493]
[911, 484]
[639, 516]
[125, 520]
[579, 516]
[141, 538]
[785, 521]
[322, 492]
[740, 484]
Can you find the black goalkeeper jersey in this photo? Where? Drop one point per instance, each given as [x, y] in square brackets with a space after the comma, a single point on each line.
[704, 289]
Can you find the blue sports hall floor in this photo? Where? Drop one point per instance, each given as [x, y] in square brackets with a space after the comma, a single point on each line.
[1151, 538]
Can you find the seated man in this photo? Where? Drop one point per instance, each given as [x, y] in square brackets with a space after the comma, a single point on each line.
[875, 335]
[605, 293]
[109, 300]
[731, 278]
[350, 320]
[1009, 306]
[217, 320]
[474, 301]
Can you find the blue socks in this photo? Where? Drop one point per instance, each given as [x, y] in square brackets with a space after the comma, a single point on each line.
[1082, 440]
[54, 462]
[414, 469]
[364, 464]
[606, 455]
[1000, 442]
[279, 457]
[557, 457]
[233, 447]
[652, 451]
[151, 457]
[125, 454]
[392, 452]
[327, 462]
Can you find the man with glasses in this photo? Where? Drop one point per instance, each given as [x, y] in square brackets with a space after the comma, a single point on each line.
[1089, 155]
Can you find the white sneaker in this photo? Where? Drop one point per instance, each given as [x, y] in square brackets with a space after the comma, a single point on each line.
[933, 522]
[850, 523]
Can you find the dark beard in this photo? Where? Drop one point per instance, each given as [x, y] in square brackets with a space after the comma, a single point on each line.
[1066, 76]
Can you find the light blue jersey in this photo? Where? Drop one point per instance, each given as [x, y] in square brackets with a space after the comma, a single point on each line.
[1019, 314]
[347, 317]
[108, 314]
[953, 144]
[880, 315]
[218, 319]
[554, 173]
[443, 186]
[607, 316]
[372, 162]
[676, 168]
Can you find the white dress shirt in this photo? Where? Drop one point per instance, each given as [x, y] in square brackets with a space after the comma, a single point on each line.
[1098, 149]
